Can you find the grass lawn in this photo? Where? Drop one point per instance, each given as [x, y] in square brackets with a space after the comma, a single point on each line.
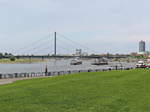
[21, 61]
[110, 91]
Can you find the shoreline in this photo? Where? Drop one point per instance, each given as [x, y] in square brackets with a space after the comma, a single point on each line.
[10, 78]
[21, 61]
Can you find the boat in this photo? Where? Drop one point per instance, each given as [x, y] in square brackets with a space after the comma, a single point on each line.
[76, 61]
[140, 64]
[100, 62]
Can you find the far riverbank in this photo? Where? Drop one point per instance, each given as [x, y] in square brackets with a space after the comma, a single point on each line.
[8, 61]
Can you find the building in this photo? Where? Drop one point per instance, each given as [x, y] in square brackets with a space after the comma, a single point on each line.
[78, 52]
[142, 47]
[134, 54]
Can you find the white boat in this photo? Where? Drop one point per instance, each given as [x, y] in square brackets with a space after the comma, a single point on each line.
[76, 61]
[140, 64]
[100, 62]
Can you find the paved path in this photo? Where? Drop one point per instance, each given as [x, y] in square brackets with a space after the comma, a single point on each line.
[11, 80]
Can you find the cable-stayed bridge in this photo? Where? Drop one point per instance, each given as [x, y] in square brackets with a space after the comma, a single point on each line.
[56, 45]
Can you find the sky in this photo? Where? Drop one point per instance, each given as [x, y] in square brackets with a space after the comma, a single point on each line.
[100, 26]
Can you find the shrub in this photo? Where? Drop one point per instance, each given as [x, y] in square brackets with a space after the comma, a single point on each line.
[12, 58]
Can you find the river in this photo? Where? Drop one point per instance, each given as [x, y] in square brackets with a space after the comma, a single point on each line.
[56, 65]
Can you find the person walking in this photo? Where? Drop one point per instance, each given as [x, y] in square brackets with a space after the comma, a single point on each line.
[46, 70]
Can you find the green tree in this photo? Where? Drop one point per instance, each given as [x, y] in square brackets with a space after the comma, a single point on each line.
[12, 58]
[1, 55]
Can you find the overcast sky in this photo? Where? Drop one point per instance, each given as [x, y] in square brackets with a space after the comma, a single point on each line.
[113, 26]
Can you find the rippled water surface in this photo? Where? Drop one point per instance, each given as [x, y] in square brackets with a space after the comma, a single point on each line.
[56, 65]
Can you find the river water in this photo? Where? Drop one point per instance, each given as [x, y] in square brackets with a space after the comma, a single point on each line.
[56, 65]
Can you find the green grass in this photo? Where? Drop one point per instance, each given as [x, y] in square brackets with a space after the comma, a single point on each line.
[21, 61]
[110, 91]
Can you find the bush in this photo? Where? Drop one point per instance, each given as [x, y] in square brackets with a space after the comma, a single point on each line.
[12, 58]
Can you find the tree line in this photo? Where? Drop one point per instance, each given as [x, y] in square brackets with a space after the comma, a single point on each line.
[8, 56]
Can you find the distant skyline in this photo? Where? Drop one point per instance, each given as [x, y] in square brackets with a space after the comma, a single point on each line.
[114, 26]
[142, 46]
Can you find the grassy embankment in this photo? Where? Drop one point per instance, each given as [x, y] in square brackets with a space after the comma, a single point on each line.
[111, 91]
[3, 61]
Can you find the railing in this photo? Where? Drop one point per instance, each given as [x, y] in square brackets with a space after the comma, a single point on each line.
[53, 73]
